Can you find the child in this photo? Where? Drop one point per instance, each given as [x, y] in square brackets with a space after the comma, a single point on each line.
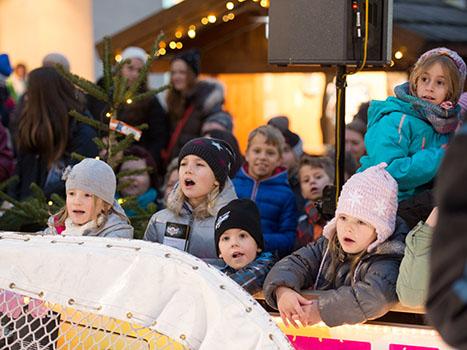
[170, 179]
[314, 174]
[239, 242]
[410, 132]
[354, 265]
[90, 208]
[203, 188]
[138, 183]
[263, 180]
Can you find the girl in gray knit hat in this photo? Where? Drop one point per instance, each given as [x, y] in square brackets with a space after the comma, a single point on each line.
[90, 208]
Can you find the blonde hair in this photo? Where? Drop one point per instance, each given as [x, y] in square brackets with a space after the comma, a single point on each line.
[206, 209]
[453, 76]
[100, 218]
[273, 137]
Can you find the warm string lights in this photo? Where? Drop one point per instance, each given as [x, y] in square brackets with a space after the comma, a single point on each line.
[190, 32]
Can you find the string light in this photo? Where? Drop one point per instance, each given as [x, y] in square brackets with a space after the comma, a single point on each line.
[129, 101]
[231, 16]
[179, 45]
[173, 45]
[118, 57]
[264, 3]
[178, 34]
[230, 5]
[108, 114]
[50, 203]
[204, 20]
[191, 33]
[162, 44]
[225, 18]
[120, 201]
[398, 55]
[212, 19]
[162, 52]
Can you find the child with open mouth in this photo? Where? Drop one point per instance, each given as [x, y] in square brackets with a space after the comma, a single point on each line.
[203, 188]
[90, 209]
[239, 242]
[353, 266]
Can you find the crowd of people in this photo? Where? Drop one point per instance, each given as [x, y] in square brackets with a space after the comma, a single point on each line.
[259, 216]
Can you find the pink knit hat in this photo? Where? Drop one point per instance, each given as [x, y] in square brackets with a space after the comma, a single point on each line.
[460, 64]
[370, 196]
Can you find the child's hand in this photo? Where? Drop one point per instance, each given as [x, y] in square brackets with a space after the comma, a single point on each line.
[433, 218]
[311, 311]
[290, 303]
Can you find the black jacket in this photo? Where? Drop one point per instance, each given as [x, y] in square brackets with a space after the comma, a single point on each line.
[447, 294]
[367, 294]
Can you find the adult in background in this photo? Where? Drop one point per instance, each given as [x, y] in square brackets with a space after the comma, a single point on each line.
[46, 135]
[154, 139]
[190, 101]
[354, 138]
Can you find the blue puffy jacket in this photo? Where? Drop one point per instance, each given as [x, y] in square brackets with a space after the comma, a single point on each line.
[277, 207]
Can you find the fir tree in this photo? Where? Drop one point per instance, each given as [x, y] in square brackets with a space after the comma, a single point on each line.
[116, 137]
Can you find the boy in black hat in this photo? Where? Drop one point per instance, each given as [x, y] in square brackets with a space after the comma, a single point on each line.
[239, 242]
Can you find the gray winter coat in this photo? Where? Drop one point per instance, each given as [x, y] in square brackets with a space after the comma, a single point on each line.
[201, 239]
[117, 225]
[368, 294]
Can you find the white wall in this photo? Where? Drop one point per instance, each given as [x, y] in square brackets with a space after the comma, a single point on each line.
[29, 29]
[111, 16]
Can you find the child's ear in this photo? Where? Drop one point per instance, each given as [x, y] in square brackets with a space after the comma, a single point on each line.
[259, 250]
[216, 183]
[220, 256]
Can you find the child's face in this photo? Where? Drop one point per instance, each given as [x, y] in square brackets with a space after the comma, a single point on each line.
[80, 206]
[432, 84]
[312, 182]
[262, 158]
[354, 235]
[237, 248]
[196, 179]
[136, 184]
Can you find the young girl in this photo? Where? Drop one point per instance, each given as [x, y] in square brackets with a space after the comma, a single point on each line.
[354, 265]
[410, 131]
[90, 208]
[203, 188]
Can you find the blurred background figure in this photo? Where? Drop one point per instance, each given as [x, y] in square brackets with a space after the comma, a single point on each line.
[46, 136]
[143, 183]
[170, 179]
[53, 58]
[190, 101]
[218, 121]
[354, 138]
[17, 81]
[7, 103]
[154, 139]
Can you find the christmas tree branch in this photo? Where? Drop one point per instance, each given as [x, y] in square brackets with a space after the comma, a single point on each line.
[107, 61]
[85, 119]
[84, 84]
[150, 93]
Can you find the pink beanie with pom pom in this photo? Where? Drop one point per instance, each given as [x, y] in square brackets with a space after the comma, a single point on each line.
[370, 196]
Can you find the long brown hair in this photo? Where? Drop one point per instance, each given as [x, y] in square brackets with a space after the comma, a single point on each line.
[44, 122]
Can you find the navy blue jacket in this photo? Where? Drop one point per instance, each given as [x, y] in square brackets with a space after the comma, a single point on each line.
[277, 207]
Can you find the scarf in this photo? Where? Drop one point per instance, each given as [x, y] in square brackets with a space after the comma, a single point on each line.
[443, 120]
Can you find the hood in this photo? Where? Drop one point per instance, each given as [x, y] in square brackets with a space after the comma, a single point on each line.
[378, 109]
[208, 95]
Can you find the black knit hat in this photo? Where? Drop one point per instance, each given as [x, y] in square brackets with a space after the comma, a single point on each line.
[217, 153]
[191, 58]
[242, 214]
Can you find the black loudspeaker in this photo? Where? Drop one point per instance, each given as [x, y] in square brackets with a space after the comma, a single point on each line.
[329, 32]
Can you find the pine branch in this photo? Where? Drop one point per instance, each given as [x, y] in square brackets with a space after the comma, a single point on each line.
[92, 122]
[122, 145]
[119, 91]
[38, 193]
[77, 156]
[107, 61]
[144, 71]
[84, 84]
[150, 93]
[57, 200]
[100, 144]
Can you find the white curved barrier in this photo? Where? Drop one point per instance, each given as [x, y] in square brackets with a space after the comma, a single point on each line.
[83, 285]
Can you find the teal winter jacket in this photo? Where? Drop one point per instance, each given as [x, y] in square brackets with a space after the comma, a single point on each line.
[400, 136]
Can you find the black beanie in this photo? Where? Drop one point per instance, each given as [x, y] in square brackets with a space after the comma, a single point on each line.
[217, 153]
[191, 58]
[242, 214]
